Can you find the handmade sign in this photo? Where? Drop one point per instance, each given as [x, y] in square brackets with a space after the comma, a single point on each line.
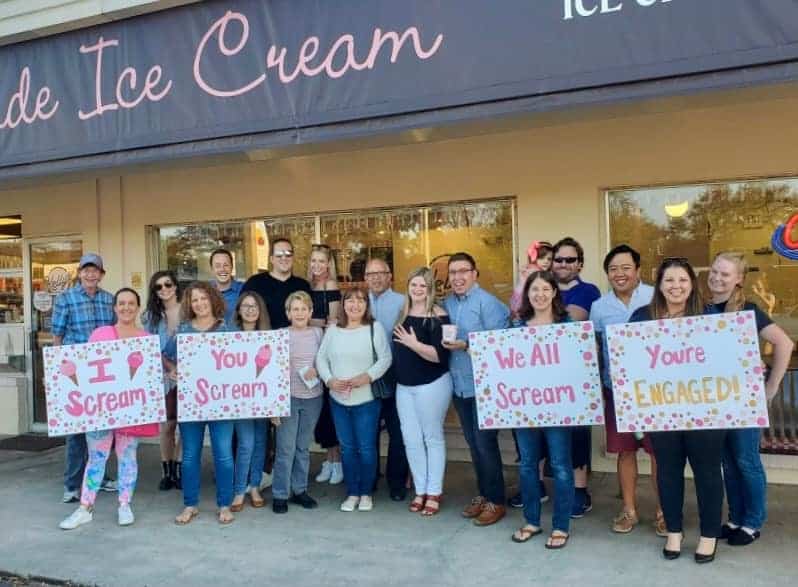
[233, 375]
[103, 385]
[537, 376]
[687, 373]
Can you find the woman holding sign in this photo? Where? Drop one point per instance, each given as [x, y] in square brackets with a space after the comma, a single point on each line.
[743, 473]
[675, 296]
[203, 311]
[541, 304]
[124, 440]
[353, 354]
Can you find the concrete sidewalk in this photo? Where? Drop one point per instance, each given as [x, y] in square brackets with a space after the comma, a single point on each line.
[388, 546]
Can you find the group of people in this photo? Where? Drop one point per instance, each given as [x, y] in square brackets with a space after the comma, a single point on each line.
[368, 356]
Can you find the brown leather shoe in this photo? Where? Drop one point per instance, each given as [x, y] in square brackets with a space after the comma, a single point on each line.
[491, 513]
[473, 509]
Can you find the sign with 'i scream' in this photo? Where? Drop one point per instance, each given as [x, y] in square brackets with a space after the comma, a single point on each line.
[688, 373]
[233, 375]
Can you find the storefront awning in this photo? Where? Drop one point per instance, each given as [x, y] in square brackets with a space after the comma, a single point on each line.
[229, 76]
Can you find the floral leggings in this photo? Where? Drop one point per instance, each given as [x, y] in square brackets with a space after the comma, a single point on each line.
[99, 444]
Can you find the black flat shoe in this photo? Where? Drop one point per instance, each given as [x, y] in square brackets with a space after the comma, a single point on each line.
[280, 506]
[398, 494]
[706, 558]
[726, 531]
[743, 538]
[304, 500]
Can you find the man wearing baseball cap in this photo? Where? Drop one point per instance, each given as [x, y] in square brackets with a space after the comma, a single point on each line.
[76, 313]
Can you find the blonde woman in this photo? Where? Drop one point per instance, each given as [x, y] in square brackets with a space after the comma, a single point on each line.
[743, 473]
[326, 300]
[424, 388]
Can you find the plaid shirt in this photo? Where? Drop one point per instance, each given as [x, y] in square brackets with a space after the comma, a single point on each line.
[76, 314]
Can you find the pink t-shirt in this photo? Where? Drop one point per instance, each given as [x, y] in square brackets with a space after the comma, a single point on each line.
[303, 347]
[105, 333]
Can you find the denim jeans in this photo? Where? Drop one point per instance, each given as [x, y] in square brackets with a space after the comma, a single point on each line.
[294, 434]
[744, 477]
[76, 454]
[530, 445]
[356, 427]
[484, 447]
[193, 434]
[245, 433]
[703, 448]
[260, 435]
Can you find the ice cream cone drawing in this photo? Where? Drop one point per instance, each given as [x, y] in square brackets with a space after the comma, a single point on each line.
[69, 370]
[134, 361]
[262, 359]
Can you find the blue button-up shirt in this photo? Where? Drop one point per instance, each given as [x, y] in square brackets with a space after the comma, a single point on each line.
[230, 297]
[76, 314]
[475, 311]
[386, 309]
[608, 309]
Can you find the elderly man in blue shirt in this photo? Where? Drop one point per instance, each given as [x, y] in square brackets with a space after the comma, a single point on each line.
[76, 313]
[472, 309]
[386, 306]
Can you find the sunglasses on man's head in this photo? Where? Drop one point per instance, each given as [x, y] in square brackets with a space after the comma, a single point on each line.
[284, 254]
[167, 285]
[318, 247]
[566, 260]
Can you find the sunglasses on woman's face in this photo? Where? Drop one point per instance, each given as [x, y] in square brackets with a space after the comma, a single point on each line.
[167, 285]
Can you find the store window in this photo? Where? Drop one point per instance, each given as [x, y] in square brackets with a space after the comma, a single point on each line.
[698, 221]
[12, 316]
[406, 237]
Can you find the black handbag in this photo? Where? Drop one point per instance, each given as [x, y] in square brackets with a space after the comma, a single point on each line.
[384, 387]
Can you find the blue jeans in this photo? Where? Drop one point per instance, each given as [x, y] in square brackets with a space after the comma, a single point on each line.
[744, 477]
[260, 433]
[356, 427]
[193, 435]
[294, 434]
[530, 444]
[485, 454]
[245, 433]
[75, 461]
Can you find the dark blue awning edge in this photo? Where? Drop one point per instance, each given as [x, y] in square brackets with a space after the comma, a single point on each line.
[770, 74]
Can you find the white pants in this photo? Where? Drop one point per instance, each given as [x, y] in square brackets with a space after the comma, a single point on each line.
[422, 409]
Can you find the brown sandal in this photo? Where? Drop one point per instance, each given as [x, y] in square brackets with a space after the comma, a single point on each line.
[257, 502]
[186, 516]
[559, 536]
[225, 516]
[237, 507]
[432, 506]
[524, 533]
[417, 504]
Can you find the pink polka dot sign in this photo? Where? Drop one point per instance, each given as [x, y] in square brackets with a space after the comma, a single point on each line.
[233, 375]
[538, 376]
[103, 385]
[687, 373]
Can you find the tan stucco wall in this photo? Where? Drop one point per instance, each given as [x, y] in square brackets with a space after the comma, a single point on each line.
[556, 172]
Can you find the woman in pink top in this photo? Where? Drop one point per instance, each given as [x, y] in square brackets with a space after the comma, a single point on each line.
[125, 440]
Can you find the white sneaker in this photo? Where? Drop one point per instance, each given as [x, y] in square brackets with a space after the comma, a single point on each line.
[337, 473]
[265, 481]
[366, 503]
[324, 474]
[108, 485]
[71, 496]
[79, 517]
[350, 503]
[125, 515]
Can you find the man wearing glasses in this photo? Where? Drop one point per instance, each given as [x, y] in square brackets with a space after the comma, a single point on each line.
[386, 306]
[578, 297]
[278, 283]
[472, 309]
[222, 267]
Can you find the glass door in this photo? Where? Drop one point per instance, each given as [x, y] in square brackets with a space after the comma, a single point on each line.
[53, 266]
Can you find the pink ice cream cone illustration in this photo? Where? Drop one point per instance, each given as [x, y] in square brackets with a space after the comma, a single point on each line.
[262, 359]
[134, 361]
[69, 370]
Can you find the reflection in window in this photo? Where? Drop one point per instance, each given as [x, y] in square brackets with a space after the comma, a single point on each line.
[698, 221]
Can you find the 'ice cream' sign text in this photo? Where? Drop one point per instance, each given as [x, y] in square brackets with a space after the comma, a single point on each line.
[537, 376]
[103, 385]
[233, 375]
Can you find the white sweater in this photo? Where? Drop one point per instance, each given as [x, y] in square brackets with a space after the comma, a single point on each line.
[345, 353]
